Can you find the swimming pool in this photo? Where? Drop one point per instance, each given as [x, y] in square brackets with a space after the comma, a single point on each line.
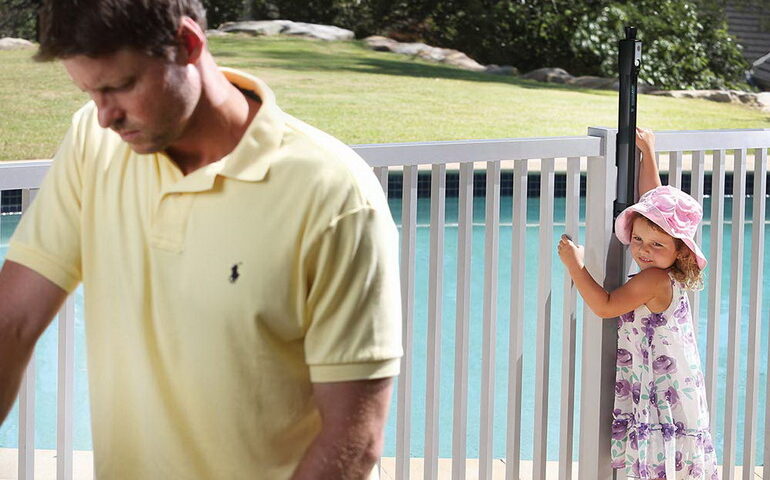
[46, 352]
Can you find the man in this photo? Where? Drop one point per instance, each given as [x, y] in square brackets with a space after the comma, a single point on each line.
[239, 266]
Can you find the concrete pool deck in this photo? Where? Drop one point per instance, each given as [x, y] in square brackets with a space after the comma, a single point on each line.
[45, 467]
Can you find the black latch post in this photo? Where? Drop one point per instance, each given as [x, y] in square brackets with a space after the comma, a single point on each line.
[629, 61]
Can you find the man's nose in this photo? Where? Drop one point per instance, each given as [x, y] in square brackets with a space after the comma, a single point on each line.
[109, 111]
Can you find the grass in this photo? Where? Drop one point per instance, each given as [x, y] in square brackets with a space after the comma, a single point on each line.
[362, 96]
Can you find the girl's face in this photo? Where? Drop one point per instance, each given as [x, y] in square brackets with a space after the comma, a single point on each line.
[651, 247]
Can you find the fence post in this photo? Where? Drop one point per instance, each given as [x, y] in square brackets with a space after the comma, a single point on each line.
[602, 256]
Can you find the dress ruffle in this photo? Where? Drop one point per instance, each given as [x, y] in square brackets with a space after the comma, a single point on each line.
[642, 449]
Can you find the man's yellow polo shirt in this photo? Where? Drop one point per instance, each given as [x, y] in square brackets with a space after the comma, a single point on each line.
[213, 300]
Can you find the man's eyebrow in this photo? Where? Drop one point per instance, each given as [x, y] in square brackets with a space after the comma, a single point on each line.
[111, 84]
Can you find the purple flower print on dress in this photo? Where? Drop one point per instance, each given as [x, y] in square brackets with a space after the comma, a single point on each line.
[628, 317]
[660, 471]
[672, 397]
[678, 461]
[681, 312]
[618, 463]
[695, 470]
[679, 429]
[640, 469]
[653, 393]
[668, 430]
[636, 391]
[619, 428]
[649, 332]
[622, 388]
[632, 439]
[708, 446]
[624, 357]
[664, 364]
[655, 320]
[643, 430]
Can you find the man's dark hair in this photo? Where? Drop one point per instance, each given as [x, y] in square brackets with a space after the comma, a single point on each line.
[100, 27]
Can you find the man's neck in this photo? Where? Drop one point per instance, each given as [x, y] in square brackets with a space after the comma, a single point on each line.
[217, 125]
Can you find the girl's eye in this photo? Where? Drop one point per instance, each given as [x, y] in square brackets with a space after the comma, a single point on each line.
[657, 245]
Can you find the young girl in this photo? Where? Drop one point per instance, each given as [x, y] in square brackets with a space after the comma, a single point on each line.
[660, 426]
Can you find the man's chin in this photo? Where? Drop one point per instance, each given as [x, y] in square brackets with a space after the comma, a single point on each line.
[144, 148]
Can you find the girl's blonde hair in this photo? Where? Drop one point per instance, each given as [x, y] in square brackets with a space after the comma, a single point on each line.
[685, 269]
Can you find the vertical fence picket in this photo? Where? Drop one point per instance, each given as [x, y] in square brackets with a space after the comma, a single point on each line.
[491, 254]
[696, 190]
[734, 330]
[408, 234]
[572, 214]
[675, 169]
[755, 309]
[65, 391]
[715, 280]
[543, 337]
[382, 175]
[27, 395]
[462, 322]
[516, 332]
[435, 297]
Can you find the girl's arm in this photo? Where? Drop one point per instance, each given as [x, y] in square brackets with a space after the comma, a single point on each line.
[640, 289]
[649, 177]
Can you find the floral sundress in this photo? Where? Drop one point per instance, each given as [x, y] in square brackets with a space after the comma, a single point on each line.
[660, 423]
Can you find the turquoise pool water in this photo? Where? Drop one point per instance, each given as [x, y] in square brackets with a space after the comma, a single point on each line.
[46, 352]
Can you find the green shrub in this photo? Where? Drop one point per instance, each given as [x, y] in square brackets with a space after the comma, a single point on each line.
[682, 46]
[18, 18]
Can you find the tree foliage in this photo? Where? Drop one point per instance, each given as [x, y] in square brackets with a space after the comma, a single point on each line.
[18, 18]
[686, 42]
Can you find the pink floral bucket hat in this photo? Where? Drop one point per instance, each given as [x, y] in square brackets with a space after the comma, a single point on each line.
[675, 212]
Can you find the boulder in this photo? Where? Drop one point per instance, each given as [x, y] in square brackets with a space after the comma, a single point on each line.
[287, 27]
[763, 101]
[380, 44]
[215, 33]
[505, 70]
[426, 52]
[9, 43]
[597, 83]
[549, 75]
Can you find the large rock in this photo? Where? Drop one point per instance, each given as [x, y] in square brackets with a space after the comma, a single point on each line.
[723, 96]
[216, 33]
[597, 83]
[763, 101]
[287, 27]
[9, 43]
[549, 75]
[501, 70]
[426, 52]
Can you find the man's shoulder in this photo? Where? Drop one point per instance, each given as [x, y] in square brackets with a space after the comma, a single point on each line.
[325, 162]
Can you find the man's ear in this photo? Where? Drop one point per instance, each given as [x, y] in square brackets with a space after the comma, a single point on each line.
[192, 40]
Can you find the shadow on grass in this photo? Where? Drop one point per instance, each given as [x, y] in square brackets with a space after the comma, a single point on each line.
[366, 62]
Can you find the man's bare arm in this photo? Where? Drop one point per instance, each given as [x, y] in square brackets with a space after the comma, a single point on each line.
[353, 416]
[28, 303]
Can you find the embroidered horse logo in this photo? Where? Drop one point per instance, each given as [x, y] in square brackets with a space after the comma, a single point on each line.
[234, 275]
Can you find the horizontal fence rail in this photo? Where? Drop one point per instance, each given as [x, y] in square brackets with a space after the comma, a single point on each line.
[698, 161]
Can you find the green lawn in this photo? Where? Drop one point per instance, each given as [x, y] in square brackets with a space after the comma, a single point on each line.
[362, 96]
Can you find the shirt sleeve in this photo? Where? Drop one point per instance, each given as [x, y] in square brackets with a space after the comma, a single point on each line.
[47, 239]
[354, 301]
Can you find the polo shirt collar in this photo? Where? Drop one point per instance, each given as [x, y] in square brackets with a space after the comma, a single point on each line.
[251, 158]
